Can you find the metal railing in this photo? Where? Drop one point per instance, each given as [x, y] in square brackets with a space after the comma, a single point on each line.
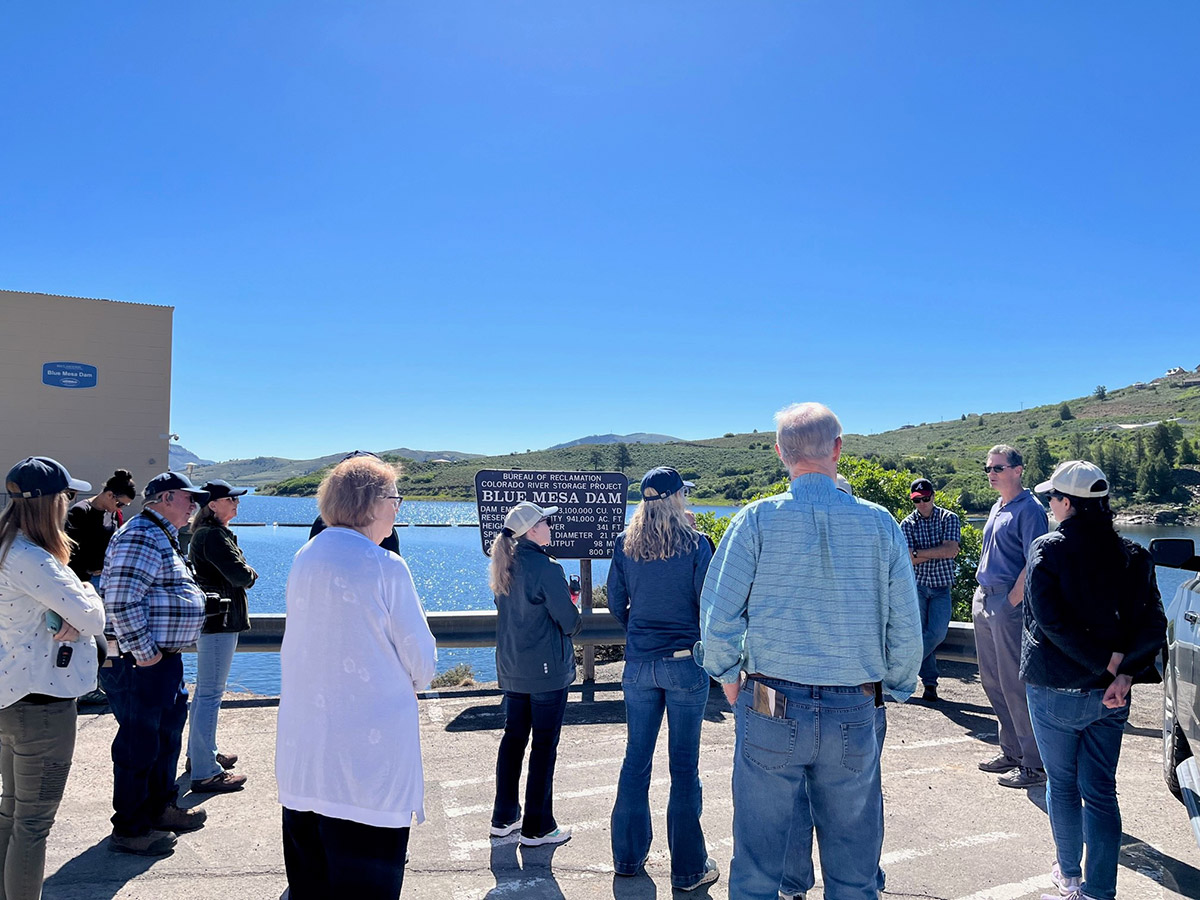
[477, 628]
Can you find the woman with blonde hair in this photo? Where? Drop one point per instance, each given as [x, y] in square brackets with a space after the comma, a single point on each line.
[47, 659]
[356, 651]
[535, 663]
[654, 585]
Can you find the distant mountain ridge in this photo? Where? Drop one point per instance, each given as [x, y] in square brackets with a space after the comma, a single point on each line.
[180, 456]
[264, 469]
[638, 437]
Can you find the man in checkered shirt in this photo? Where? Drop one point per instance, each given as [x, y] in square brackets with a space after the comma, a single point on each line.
[933, 534]
[154, 609]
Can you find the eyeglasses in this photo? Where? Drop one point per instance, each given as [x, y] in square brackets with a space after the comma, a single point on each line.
[922, 499]
[121, 504]
[395, 498]
[546, 521]
[70, 495]
[987, 469]
[233, 499]
[1054, 495]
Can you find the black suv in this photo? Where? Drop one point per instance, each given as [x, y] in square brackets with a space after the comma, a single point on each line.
[1181, 678]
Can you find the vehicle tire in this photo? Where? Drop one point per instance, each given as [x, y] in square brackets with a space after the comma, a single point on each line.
[1175, 751]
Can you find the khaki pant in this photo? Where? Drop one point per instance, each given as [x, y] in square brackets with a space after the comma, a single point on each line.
[37, 741]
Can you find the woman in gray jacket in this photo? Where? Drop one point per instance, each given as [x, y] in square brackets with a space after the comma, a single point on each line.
[535, 663]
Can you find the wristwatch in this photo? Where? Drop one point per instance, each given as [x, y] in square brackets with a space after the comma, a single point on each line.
[914, 554]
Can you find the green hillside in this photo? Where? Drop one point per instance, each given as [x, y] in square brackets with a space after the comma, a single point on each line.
[733, 468]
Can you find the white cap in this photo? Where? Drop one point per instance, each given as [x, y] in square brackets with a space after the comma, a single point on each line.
[1076, 478]
[843, 484]
[525, 515]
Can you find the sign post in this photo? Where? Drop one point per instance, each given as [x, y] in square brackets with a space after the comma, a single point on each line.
[591, 513]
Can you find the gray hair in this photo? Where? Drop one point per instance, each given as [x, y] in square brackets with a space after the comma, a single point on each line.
[806, 432]
[1012, 456]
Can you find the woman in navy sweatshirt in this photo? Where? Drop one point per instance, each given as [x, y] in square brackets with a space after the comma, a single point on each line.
[1094, 624]
[654, 584]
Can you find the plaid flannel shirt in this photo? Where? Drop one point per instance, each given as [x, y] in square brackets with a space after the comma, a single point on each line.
[922, 534]
[151, 600]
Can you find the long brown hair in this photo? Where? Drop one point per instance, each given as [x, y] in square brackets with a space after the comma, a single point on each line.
[40, 519]
[659, 529]
[504, 547]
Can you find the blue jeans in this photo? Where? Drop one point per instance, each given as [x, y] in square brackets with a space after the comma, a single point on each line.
[328, 857]
[935, 606]
[680, 687]
[1080, 742]
[541, 713]
[799, 876]
[150, 705]
[826, 745]
[214, 655]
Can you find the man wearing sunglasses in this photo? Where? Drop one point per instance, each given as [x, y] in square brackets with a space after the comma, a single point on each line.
[998, 611]
[933, 535]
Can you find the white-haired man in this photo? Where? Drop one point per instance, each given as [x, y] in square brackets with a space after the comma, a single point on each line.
[811, 597]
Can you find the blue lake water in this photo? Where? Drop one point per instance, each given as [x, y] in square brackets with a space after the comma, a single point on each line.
[448, 566]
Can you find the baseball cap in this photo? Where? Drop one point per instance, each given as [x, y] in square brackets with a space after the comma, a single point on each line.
[662, 481]
[173, 481]
[922, 487]
[219, 490]
[1077, 478]
[41, 476]
[525, 515]
[843, 484]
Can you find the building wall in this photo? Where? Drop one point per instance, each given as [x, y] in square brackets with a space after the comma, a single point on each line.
[95, 430]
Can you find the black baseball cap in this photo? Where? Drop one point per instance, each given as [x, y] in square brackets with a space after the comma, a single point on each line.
[662, 481]
[41, 476]
[922, 487]
[219, 490]
[173, 481]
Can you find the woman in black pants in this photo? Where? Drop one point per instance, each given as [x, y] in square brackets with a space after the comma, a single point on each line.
[535, 663]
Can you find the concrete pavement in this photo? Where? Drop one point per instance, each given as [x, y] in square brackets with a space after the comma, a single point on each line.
[952, 832]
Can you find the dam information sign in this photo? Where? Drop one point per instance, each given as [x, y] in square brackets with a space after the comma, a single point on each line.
[591, 507]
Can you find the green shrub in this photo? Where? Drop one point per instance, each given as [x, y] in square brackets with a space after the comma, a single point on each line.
[461, 675]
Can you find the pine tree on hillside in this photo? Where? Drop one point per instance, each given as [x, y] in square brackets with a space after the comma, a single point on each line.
[1040, 464]
[1161, 441]
[1187, 454]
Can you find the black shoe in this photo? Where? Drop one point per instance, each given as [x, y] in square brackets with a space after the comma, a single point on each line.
[152, 843]
[931, 694]
[999, 763]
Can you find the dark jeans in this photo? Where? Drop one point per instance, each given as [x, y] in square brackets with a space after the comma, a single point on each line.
[935, 605]
[680, 688]
[37, 741]
[150, 704]
[326, 857]
[543, 714]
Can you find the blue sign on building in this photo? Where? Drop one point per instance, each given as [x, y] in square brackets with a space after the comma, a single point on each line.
[68, 375]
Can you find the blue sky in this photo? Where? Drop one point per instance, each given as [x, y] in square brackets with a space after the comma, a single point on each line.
[496, 226]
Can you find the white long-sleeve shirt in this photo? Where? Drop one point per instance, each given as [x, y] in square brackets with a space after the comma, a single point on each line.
[355, 651]
[32, 582]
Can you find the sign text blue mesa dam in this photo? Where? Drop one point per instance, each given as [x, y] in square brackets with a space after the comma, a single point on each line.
[448, 566]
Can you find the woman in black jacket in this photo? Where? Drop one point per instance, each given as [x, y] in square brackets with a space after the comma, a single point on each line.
[220, 569]
[535, 663]
[1094, 624]
[91, 523]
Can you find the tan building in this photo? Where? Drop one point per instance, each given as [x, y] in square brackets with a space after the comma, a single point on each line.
[87, 382]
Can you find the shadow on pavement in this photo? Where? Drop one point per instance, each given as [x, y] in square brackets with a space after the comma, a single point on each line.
[973, 718]
[637, 887]
[80, 873]
[1171, 873]
[515, 872]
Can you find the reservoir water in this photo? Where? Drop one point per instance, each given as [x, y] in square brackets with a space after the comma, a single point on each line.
[448, 566]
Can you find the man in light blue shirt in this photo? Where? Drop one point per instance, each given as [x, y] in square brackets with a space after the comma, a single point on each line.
[812, 596]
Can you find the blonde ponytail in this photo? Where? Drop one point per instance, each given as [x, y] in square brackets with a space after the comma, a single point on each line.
[504, 547]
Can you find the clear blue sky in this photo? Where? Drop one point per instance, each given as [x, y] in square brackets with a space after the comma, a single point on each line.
[496, 226]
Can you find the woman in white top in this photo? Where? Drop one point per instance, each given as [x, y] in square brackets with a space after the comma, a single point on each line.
[356, 650]
[47, 659]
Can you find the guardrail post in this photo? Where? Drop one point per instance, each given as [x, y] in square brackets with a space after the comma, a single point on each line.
[585, 606]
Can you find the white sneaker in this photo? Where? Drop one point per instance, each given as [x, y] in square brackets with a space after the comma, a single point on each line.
[1068, 888]
[557, 836]
[710, 875]
[504, 830]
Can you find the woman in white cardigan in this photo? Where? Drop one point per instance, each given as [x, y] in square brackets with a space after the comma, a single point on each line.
[356, 650]
[47, 659]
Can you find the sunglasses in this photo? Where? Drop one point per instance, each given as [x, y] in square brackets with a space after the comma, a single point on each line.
[121, 504]
[922, 500]
[987, 469]
[70, 495]
[233, 499]
[1055, 495]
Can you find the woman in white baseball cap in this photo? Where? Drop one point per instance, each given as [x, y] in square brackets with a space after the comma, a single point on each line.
[535, 663]
[1094, 624]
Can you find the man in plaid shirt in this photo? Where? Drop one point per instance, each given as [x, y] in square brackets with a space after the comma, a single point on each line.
[933, 534]
[154, 610]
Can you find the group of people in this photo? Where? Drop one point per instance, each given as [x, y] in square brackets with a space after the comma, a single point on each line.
[59, 635]
[814, 608]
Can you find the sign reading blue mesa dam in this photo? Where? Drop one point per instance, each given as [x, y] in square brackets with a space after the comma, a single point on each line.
[591, 507]
[69, 375]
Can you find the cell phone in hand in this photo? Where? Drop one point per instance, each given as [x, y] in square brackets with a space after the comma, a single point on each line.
[54, 621]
